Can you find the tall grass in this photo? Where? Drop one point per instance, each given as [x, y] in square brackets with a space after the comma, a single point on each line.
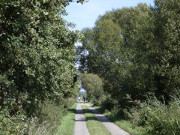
[67, 126]
[157, 117]
[49, 120]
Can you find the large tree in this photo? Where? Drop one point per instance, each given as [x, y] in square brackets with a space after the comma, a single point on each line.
[136, 50]
[37, 55]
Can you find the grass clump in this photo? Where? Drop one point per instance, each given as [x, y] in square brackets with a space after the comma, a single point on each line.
[95, 127]
[67, 126]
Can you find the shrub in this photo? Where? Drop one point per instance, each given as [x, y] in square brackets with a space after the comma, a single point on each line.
[94, 86]
[46, 122]
[10, 125]
[49, 120]
[157, 117]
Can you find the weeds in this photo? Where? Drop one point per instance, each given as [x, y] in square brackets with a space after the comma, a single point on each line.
[47, 122]
[157, 117]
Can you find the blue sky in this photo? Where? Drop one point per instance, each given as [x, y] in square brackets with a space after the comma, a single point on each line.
[85, 15]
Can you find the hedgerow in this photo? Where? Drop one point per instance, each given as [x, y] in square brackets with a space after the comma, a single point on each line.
[37, 55]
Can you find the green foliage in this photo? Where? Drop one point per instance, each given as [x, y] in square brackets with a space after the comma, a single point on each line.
[49, 120]
[167, 43]
[10, 125]
[134, 51]
[37, 55]
[157, 117]
[94, 86]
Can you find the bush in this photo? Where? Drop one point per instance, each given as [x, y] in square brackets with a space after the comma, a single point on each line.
[110, 104]
[10, 125]
[94, 86]
[49, 120]
[157, 117]
[46, 122]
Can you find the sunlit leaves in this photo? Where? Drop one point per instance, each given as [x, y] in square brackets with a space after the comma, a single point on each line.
[135, 50]
[37, 53]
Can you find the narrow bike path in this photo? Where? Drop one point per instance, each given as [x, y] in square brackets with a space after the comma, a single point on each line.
[80, 122]
[113, 128]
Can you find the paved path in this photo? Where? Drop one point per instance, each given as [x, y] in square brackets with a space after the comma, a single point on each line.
[80, 122]
[113, 128]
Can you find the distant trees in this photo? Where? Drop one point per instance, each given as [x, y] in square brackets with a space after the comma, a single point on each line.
[135, 51]
[94, 87]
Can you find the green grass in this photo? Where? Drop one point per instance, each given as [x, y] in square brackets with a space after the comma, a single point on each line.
[67, 126]
[125, 125]
[130, 127]
[95, 127]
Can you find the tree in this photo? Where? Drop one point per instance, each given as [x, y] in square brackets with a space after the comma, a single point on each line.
[37, 55]
[94, 86]
[136, 50]
[166, 47]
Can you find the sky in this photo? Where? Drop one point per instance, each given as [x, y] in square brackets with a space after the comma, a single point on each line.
[85, 15]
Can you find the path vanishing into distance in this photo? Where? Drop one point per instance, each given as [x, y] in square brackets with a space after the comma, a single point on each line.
[80, 122]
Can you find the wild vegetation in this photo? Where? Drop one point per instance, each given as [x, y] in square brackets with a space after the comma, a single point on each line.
[38, 79]
[135, 52]
[68, 122]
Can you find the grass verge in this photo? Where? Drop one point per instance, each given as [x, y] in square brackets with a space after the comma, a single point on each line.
[67, 126]
[125, 125]
[95, 127]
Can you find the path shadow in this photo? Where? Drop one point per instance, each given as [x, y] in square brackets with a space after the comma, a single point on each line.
[98, 117]
[72, 110]
[94, 111]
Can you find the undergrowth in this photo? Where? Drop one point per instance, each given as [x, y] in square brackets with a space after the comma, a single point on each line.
[46, 122]
[152, 117]
[68, 122]
[157, 117]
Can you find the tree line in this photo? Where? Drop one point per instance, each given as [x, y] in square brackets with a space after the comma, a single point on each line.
[135, 50]
[37, 55]
[136, 53]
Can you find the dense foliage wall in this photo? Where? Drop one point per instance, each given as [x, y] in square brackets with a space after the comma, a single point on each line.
[37, 55]
[136, 51]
